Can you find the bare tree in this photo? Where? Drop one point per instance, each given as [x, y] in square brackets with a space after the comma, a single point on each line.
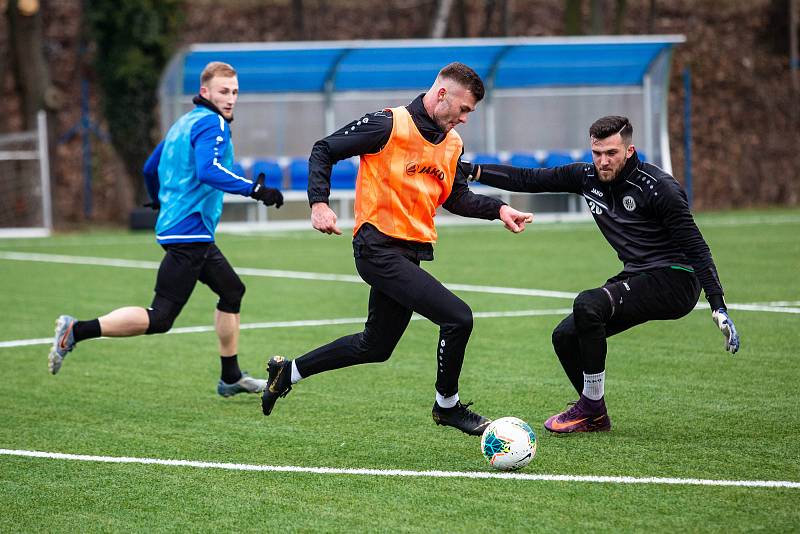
[492, 9]
[440, 21]
[27, 52]
[488, 16]
[793, 59]
[620, 11]
[461, 13]
[651, 17]
[4, 53]
[597, 15]
[573, 17]
[298, 19]
[31, 71]
[505, 17]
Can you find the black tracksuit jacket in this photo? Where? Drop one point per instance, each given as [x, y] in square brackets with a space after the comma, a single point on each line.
[643, 214]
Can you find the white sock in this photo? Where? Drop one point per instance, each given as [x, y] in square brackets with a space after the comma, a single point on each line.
[446, 402]
[594, 385]
[296, 376]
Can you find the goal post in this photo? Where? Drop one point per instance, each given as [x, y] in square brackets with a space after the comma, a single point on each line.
[25, 196]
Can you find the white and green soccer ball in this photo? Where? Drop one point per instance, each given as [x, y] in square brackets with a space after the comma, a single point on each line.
[508, 443]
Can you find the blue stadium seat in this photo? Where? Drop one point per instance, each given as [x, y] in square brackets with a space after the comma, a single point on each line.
[343, 175]
[272, 172]
[482, 158]
[298, 173]
[556, 159]
[524, 160]
[238, 169]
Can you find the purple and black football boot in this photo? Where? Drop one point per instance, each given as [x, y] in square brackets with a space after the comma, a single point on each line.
[586, 415]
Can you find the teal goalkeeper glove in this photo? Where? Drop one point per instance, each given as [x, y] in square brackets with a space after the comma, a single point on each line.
[725, 324]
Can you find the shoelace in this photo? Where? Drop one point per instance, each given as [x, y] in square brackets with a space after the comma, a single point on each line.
[467, 412]
[572, 409]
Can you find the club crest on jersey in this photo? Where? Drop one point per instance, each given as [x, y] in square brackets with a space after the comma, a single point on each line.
[415, 168]
[628, 203]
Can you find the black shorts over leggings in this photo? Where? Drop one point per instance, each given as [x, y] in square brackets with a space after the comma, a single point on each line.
[186, 263]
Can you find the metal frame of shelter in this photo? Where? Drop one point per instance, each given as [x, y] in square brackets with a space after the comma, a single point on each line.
[581, 66]
[541, 93]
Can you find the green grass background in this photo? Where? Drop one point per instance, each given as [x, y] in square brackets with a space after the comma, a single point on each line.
[681, 406]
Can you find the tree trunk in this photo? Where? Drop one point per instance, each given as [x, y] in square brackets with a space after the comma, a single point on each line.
[5, 52]
[505, 17]
[440, 21]
[573, 17]
[794, 13]
[298, 20]
[461, 12]
[621, 10]
[651, 15]
[32, 73]
[597, 15]
[30, 66]
[488, 15]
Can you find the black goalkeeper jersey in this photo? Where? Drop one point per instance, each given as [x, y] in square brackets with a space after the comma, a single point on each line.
[643, 214]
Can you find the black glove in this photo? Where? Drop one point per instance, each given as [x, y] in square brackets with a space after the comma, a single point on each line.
[472, 172]
[153, 204]
[267, 195]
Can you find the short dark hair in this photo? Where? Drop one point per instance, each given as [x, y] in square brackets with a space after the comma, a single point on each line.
[610, 125]
[464, 76]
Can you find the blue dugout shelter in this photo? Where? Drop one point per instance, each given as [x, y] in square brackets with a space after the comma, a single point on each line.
[542, 93]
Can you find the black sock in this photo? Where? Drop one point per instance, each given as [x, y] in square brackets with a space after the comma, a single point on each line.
[86, 329]
[230, 369]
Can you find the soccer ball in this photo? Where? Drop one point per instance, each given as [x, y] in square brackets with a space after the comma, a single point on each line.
[508, 444]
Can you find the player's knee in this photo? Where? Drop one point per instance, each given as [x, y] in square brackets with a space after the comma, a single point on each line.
[231, 300]
[162, 315]
[373, 350]
[460, 321]
[563, 338]
[590, 307]
[379, 355]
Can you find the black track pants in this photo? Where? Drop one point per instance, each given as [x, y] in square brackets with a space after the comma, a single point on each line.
[627, 300]
[399, 287]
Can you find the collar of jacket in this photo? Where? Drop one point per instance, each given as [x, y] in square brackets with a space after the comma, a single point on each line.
[425, 124]
[200, 101]
[627, 171]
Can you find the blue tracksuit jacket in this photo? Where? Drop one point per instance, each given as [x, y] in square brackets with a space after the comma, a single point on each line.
[188, 172]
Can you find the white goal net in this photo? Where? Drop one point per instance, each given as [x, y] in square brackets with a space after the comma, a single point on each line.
[25, 202]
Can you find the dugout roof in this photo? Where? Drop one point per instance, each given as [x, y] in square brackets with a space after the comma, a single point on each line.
[539, 90]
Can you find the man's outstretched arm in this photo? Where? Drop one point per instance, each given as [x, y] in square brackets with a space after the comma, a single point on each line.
[564, 179]
[466, 203]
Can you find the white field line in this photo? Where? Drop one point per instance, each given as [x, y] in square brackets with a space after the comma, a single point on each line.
[271, 273]
[760, 307]
[295, 324]
[404, 472]
[359, 320]
[778, 307]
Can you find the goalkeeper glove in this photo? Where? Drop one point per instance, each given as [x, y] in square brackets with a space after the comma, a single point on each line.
[725, 324]
[267, 195]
